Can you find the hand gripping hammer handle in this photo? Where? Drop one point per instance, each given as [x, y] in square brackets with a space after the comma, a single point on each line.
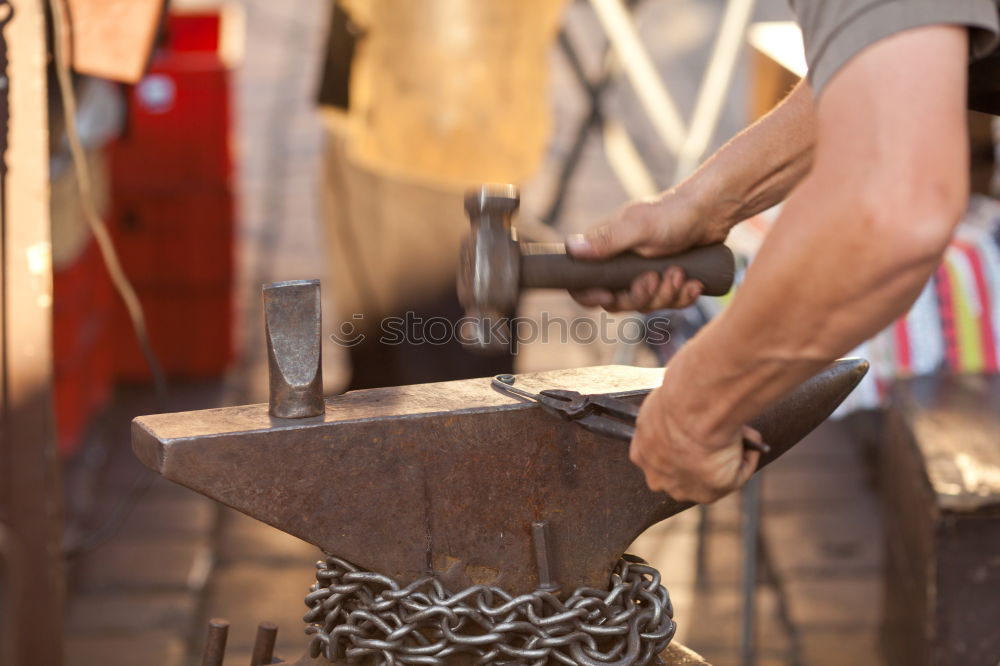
[548, 266]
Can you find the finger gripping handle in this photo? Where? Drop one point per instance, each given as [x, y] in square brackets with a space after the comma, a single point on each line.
[547, 266]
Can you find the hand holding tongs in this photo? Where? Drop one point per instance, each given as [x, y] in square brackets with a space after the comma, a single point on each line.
[597, 413]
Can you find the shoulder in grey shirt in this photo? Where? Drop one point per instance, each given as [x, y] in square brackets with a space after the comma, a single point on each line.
[834, 31]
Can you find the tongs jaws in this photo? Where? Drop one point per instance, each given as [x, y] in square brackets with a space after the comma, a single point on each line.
[598, 413]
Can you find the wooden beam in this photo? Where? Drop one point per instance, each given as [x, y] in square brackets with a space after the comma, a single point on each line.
[29, 484]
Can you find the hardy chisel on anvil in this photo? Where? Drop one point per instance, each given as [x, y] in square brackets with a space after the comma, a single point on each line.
[456, 482]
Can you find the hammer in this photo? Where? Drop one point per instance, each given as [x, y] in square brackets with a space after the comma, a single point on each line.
[494, 266]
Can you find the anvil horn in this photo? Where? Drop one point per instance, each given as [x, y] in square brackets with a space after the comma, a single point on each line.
[448, 479]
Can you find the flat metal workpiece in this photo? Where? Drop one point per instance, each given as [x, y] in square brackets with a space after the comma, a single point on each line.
[449, 478]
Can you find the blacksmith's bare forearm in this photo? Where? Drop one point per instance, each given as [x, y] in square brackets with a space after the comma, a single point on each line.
[855, 242]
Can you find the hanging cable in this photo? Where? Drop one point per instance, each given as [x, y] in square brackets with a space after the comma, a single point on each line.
[97, 226]
[142, 481]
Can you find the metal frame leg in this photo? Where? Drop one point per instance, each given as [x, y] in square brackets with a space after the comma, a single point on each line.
[750, 528]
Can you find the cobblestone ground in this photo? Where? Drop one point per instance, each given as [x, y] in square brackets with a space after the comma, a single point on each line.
[143, 595]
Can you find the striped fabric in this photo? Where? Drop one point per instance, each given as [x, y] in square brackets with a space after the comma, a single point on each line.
[954, 325]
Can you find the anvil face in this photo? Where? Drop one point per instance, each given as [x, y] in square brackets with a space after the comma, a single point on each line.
[446, 479]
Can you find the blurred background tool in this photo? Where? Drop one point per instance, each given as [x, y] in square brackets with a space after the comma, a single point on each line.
[439, 97]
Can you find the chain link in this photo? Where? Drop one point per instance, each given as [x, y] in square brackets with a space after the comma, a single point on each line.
[358, 615]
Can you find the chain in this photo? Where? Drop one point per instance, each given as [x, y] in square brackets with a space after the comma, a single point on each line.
[360, 616]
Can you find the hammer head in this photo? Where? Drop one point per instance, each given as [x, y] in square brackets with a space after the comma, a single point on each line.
[490, 264]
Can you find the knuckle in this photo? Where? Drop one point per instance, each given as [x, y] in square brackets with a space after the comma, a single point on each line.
[677, 494]
[662, 302]
[710, 497]
[687, 495]
[624, 301]
[640, 218]
[599, 237]
[715, 490]
[632, 212]
[667, 290]
[713, 480]
[638, 304]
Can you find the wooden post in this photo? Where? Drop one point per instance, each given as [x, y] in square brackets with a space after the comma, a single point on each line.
[29, 484]
[940, 481]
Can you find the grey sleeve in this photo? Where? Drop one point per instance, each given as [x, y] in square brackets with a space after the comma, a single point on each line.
[835, 31]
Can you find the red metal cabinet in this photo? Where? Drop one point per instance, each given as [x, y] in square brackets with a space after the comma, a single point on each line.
[173, 206]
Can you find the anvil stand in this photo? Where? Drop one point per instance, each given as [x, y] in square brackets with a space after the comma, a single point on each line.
[447, 480]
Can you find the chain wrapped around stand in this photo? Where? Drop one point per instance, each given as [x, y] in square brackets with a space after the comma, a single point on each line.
[358, 615]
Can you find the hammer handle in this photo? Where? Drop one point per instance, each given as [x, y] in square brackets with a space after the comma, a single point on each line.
[547, 266]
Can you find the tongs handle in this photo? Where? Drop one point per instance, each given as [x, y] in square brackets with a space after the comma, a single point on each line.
[603, 425]
[627, 411]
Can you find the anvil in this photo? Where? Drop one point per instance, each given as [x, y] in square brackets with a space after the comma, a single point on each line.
[453, 480]
[448, 478]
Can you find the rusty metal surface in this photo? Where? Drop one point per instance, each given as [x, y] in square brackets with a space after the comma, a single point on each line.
[215, 643]
[263, 645]
[292, 324]
[447, 479]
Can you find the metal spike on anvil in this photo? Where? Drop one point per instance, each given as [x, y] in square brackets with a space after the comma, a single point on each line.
[450, 478]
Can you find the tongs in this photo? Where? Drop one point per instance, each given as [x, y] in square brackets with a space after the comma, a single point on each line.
[597, 413]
